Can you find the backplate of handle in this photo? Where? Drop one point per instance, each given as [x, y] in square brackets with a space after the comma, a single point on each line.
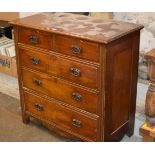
[35, 60]
[76, 49]
[75, 71]
[76, 123]
[37, 82]
[76, 96]
[33, 39]
[39, 107]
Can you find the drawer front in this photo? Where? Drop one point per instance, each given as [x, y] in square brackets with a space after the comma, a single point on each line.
[61, 116]
[33, 59]
[78, 48]
[61, 90]
[35, 38]
[74, 71]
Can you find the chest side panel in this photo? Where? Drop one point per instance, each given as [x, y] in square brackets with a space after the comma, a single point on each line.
[120, 85]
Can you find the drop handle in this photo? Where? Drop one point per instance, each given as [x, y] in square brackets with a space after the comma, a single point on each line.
[37, 82]
[76, 96]
[33, 39]
[35, 60]
[76, 123]
[76, 49]
[75, 72]
[39, 107]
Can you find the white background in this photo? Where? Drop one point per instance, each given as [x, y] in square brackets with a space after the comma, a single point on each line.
[77, 5]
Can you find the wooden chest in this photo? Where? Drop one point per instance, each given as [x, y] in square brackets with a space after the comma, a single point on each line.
[78, 74]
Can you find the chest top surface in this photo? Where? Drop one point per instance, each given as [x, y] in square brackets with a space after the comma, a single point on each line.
[99, 30]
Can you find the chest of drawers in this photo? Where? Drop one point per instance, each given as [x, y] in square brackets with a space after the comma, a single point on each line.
[78, 74]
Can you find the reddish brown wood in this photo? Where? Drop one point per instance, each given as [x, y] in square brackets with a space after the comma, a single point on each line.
[108, 64]
[62, 67]
[28, 56]
[58, 65]
[25, 117]
[96, 30]
[89, 50]
[43, 39]
[121, 81]
[62, 116]
[61, 90]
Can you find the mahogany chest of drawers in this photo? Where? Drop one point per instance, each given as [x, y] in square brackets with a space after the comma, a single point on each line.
[78, 74]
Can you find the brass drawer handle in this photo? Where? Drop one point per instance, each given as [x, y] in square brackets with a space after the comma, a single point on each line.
[76, 96]
[37, 82]
[39, 107]
[75, 72]
[76, 49]
[76, 123]
[35, 60]
[33, 39]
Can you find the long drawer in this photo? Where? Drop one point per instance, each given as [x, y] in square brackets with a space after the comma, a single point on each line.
[54, 64]
[76, 47]
[70, 120]
[61, 90]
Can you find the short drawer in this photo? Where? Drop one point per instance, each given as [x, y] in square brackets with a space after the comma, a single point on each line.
[61, 90]
[62, 116]
[35, 38]
[80, 73]
[33, 59]
[76, 47]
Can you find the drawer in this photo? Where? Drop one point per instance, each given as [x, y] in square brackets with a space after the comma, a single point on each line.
[61, 90]
[33, 59]
[35, 38]
[62, 116]
[76, 47]
[77, 72]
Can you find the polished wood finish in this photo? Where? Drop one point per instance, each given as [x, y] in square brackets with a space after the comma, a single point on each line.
[35, 38]
[121, 78]
[79, 78]
[61, 90]
[62, 116]
[88, 50]
[58, 65]
[81, 73]
[31, 58]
